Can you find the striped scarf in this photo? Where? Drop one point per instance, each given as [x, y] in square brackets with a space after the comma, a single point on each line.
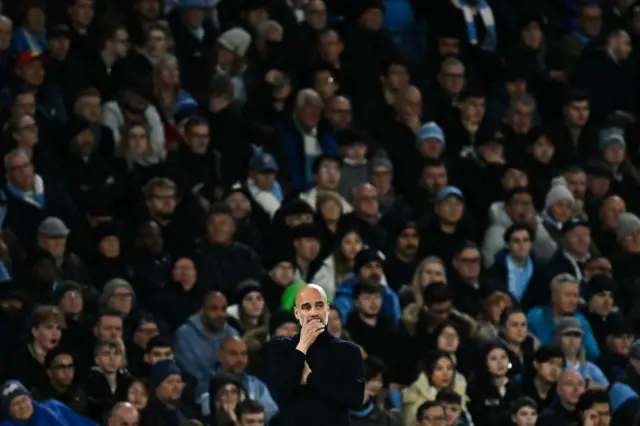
[490, 41]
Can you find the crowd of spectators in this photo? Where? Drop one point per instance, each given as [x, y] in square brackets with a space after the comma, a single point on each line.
[461, 177]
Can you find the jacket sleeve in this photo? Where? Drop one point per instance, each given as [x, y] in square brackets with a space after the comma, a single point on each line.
[347, 386]
[263, 396]
[590, 343]
[284, 367]
[491, 244]
[187, 355]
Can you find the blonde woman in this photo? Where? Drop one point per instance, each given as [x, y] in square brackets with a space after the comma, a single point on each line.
[430, 270]
[166, 84]
[135, 148]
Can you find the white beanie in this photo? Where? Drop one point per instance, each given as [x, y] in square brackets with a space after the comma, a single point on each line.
[558, 192]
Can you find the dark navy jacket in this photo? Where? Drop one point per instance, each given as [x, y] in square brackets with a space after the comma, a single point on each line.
[335, 385]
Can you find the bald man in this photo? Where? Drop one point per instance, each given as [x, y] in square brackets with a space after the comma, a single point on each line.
[563, 412]
[315, 377]
[124, 414]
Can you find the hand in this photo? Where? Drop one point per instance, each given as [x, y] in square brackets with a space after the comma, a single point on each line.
[230, 409]
[310, 331]
[305, 374]
[492, 157]
[414, 123]
[218, 103]
[471, 127]
[591, 418]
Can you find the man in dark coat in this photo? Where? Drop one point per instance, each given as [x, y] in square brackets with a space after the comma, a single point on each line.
[315, 377]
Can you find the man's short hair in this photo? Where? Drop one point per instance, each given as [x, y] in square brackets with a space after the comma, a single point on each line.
[107, 313]
[45, 314]
[437, 292]
[511, 194]
[425, 406]
[109, 31]
[591, 397]
[364, 286]
[465, 246]
[560, 279]
[51, 356]
[158, 342]
[21, 91]
[248, 406]
[156, 183]
[516, 227]
[109, 345]
[88, 92]
[576, 95]
[194, 121]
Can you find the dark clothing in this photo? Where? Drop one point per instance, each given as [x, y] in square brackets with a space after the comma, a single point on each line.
[488, 406]
[74, 397]
[557, 415]
[377, 340]
[101, 397]
[23, 366]
[335, 385]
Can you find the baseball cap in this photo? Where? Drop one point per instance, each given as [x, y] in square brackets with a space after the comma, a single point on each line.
[568, 325]
[449, 191]
[52, 227]
[263, 163]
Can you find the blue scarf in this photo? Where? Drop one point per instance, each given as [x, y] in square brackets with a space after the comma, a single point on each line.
[490, 42]
[38, 196]
[364, 412]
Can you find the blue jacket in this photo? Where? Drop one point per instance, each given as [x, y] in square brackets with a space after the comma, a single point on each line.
[343, 300]
[197, 351]
[50, 413]
[294, 159]
[542, 325]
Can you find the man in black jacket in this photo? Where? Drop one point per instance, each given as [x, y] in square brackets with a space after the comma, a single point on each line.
[315, 377]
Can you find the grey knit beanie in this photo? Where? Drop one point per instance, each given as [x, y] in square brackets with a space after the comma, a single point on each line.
[627, 225]
[111, 287]
[559, 192]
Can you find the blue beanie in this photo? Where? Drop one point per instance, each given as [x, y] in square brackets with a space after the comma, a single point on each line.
[10, 390]
[431, 130]
[161, 370]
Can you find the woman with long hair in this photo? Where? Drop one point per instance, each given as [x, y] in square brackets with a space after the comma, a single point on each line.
[250, 309]
[489, 320]
[339, 265]
[167, 88]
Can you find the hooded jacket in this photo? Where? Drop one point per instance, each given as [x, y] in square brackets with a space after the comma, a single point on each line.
[50, 413]
[543, 245]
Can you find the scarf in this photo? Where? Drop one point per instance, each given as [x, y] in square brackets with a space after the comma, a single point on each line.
[36, 197]
[486, 14]
[518, 280]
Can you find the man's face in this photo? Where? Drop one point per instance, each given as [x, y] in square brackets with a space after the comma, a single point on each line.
[54, 246]
[578, 240]
[122, 300]
[239, 204]
[452, 78]
[372, 271]
[311, 304]
[570, 387]
[435, 178]
[109, 360]
[316, 14]
[366, 201]
[339, 113]
[577, 113]
[171, 388]
[521, 118]
[234, 356]
[282, 273]
[47, 335]
[159, 353]
[145, 332]
[550, 370]
[330, 46]
[214, 311]
[543, 150]
[109, 328]
[163, 202]
[20, 173]
[453, 412]
[62, 370]
[369, 304]
[577, 184]
[24, 104]
[408, 242]
[6, 30]
[590, 21]
[220, 228]
[397, 77]
[32, 72]
[252, 419]
[434, 416]
[467, 264]
[307, 248]
[440, 311]
[309, 113]
[58, 47]
[473, 110]
[328, 175]
[520, 244]
[197, 138]
[566, 297]
[449, 46]
[71, 303]
[602, 303]
[21, 408]
[381, 177]
[450, 210]
[520, 208]
[561, 210]
[598, 415]
[571, 344]
[612, 207]
[371, 19]
[81, 13]
[622, 46]
[88, 107]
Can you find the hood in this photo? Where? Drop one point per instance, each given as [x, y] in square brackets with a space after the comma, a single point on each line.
[498, 215]
[195, 321]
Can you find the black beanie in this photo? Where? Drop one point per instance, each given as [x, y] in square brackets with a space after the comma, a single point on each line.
[280, 318]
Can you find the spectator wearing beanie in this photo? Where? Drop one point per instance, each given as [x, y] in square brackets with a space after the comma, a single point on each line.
[368, 265]
[18, 407]
[68, 297]
[107, 260]
[279, 269]
[166, 381]
[249, 309]
[615, 353]
[119, 296]
[558, 209]
[355, 166]
[381, 177]
[307, 244]
[600, 309]
[540, 382]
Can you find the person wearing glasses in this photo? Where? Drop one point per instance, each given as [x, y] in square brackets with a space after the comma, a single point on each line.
[62, 386]
[431, 413]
